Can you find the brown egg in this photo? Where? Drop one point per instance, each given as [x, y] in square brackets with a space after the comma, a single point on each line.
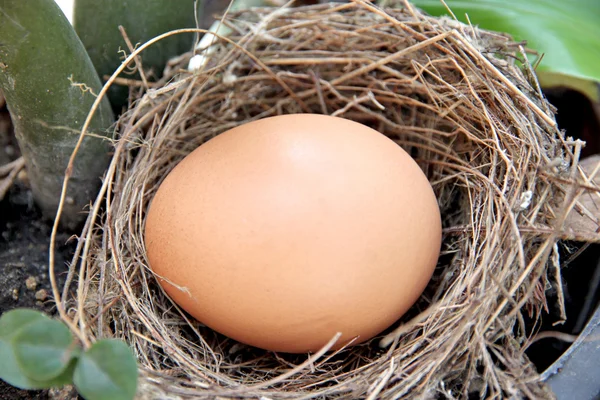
[284, 231]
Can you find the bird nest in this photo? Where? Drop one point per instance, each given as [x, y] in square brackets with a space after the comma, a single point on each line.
[462, 101]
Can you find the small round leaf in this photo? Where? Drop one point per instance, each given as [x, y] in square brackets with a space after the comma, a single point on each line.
[107, 371]
[11, 373]
[11, 322]
[9, 369]
[43, 349]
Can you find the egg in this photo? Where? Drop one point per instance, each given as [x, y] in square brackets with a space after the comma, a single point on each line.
[284, 231]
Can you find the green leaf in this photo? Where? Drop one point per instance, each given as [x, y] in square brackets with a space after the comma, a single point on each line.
[567, 32]
[11, 373]
[11, 322]
[44, 349]
[108, 370]
[49, 82]
[97, 24]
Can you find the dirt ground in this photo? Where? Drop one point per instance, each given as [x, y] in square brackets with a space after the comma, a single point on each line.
[24, 239]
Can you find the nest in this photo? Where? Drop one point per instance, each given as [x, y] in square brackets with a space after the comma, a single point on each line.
[462, 101]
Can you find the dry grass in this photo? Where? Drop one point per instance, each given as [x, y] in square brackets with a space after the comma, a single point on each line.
[451, 95]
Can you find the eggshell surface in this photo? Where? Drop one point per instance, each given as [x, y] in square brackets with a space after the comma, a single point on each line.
[281, 232]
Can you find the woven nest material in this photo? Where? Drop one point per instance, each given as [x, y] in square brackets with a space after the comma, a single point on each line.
[455, 98]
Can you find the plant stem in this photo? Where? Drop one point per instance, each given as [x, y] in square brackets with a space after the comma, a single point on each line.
[49, 83]
[97, 24]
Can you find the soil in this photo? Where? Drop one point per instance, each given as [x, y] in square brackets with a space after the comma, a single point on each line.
[24, 239]
[24, 253]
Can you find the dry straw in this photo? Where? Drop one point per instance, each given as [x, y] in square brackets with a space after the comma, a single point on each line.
[453, 96]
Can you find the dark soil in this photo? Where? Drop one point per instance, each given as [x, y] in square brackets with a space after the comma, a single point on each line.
[24, 245]
[24, 241]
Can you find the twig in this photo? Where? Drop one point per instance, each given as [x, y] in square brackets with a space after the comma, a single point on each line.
[7, 182]
[133, 82]
[138, 61]
[548, 119]
[310, 361]
[7, 168]
[390, 58]
[565, 337]
[384, 380]
[555, 262]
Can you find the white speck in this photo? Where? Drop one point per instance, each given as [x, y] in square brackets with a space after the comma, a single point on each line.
[206, 46]
[196, 62]
[525, 200]
[229, 76]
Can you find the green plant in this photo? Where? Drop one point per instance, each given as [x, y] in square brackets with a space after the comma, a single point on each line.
[49, 83]
[38, 352]
[50, 77]
[96, 23]
[567, 33]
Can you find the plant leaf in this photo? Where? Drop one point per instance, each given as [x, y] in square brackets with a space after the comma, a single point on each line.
[43, 349]
[107, 371]
[567, 32]
[50, 84]
[11, 373]
[97, 24]
[11, 322]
